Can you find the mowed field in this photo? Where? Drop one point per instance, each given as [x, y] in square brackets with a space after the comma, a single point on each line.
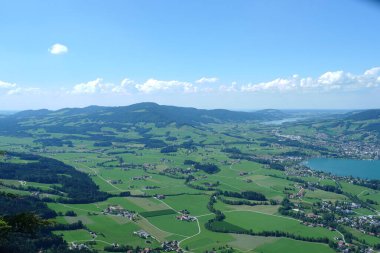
[259, 222]
[289, 245]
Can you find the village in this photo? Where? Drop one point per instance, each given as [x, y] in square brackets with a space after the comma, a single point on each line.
[367, 224]
[119, 211]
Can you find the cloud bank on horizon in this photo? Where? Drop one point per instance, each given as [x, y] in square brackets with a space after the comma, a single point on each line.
[331, 82]
[327, 82]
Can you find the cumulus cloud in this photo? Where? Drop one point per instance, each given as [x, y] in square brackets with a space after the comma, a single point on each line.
[372, 72]
[127, 86]
[20, 90]
[331, 80]
[6, 85]
[229, 88]
[14, 89]
[328, 81]
[158, 85]
[207, 80]
[58, 49]
[92, 87]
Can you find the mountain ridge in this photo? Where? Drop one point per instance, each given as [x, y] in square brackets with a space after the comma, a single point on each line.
[153, 113]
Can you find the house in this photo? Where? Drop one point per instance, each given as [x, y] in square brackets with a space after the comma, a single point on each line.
[142, 234]
[186, 217]
[160, 196]
[171, 246]
[78, 246]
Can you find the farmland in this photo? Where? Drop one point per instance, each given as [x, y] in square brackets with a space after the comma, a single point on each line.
[258, 199]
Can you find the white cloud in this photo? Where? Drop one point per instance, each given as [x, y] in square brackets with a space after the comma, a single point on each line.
[127, 82]
[98, 86]
[279, 84]
[90, 87]
[58, 49]
[124, 88]
[159, 85]
[6, 85]
[373, 72]
[128, 86]
[207, 80]
[14, 89]
[331, 80]
[20, 90]
[229, 88]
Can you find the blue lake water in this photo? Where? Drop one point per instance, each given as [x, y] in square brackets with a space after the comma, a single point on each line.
[347, 167]
[281, 121]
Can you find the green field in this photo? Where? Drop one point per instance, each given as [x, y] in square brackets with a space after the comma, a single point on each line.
[259, 222]
[288, 245]
[157, 213]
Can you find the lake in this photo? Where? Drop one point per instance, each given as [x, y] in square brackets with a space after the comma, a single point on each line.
[281, 121]
[346, 167]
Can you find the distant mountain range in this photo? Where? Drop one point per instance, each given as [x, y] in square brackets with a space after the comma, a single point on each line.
[94, 118]
[152, 113]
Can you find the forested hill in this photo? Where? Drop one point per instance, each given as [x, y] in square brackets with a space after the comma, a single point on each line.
[151, 113]
[142, 112]
[373, 114]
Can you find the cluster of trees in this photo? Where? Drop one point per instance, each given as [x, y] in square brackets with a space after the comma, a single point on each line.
[129, 248]
[11, 204]
[241, 202]
[250, 195]
[27, 232]
[78, 185]
[152, 143]
[125, 194]
[232, 150]
[24, 227]
[103, 144]
[330, 188]
[372, 183]
[53, 142]
[208, 167]
[169, 149]
[71, 213]
[171, 138]
[198, 187]
[71, 226]
[189, 144]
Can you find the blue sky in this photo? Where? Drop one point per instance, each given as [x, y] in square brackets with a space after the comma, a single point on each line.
[201, 53]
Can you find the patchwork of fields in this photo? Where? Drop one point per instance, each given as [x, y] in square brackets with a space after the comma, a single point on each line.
[164, 194]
